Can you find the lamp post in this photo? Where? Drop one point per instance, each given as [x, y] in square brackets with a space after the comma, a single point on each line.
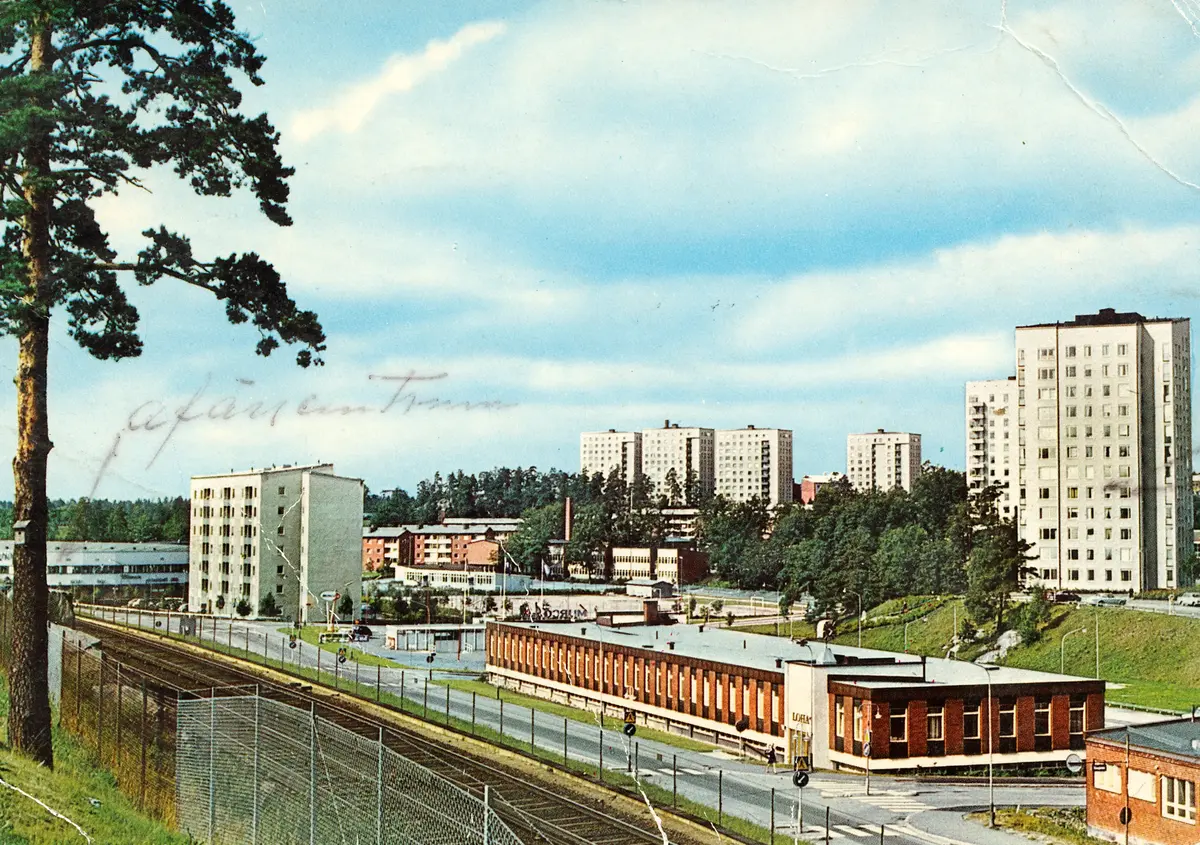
[987, 671]
[1062, 649]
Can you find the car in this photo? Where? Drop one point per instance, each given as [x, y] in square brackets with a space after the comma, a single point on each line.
[1188, 600]
[1105, 601]
[1066, 598]
[360, 634]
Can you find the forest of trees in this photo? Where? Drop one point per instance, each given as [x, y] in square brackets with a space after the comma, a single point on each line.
[104, 521]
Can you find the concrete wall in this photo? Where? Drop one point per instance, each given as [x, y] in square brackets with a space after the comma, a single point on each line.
[331, 536]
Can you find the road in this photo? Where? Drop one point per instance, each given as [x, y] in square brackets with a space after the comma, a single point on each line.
[910, 812]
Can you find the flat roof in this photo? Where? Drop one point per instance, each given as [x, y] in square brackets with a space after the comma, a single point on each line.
[1177, 736]
[760, 651]
[1105, 317]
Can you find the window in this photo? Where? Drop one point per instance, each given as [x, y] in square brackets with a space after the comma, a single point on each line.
[1179, 799]
[282, 490]
[1069, 351]
[858, 721]
[1049, 533]
[839, 718]
[1041, 717]
[970, 720]
[1008, 718]
[934, 723]
[899, 723]
[1122, 349]
[279, 510]
[1109, 779]
[1070, 372]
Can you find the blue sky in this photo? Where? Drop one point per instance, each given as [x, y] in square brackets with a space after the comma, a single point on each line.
[820, 216]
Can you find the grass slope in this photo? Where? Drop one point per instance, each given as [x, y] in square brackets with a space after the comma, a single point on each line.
[1151, 657]
[69, 789]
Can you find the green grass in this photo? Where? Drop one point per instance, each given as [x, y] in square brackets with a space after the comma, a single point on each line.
[574, 714]
[1152, 656]
[68, 789]
[1061, 824]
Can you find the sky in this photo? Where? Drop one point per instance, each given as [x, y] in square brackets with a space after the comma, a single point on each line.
[521, 221]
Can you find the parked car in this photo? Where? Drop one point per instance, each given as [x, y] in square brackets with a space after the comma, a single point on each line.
[360, 634]
[1188, 600]
[1066, 598]
[1105, 601]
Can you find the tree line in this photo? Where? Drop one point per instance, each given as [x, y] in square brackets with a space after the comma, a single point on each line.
[107, 521]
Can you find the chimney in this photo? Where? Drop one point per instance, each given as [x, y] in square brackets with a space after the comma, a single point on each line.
[650, 611]
[567, 517]
[922, 668]
[750, 428]
[666, 423]
[879, 431]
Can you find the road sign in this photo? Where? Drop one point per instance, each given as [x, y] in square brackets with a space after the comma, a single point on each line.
[867, 749]
[800, 779]
[1074, 763]
[1125, 816]
[329, 595]
[630, 729]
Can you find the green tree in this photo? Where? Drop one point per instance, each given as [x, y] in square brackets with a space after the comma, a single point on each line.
[243, 607]
[529, 544]
[267, 606]
[589, 539]
[94, 96]
[674, 491]
[994, 572]
[116, 529]
[345, 607]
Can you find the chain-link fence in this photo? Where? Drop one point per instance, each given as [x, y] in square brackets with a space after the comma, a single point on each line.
[127, 721]
[252, 770]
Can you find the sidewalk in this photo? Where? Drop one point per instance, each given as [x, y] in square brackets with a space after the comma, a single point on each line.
[951, 826]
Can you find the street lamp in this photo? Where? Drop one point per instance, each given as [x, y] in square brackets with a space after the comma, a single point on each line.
[1062, 649]
[988, 670]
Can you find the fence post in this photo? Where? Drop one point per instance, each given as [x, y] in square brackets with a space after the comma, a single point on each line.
[212, 753]
[487, 809]
[62, 658]
[78, 681]
[447, 704]
[254, 794]
[601, 768]
[142, 786]
[674, 781]
[502, 717]
[229, 638]
[720, 797]
[100, 714]
[337, 670]
[881, 835]
[247, 638]
[425, 704]
[772, 815]
[379, 791]
[826, 826]
[532, 733]
[117, 756]
[637, 759]
[319, 650]
[564, 742]
[473, 695]
[356, 677]
[378, 672]
[312, 773]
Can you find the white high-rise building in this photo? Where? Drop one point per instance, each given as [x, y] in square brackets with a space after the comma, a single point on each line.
[292, 531]
[1104, 408]
[754, 463]
[603, 451]
[883, 460]
[685, 450]
[992, 441]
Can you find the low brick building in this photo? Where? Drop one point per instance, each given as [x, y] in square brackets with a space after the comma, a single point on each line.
[904, 712]
[1142, 781]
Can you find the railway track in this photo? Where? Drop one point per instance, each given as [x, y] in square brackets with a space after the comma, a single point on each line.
[535, 812]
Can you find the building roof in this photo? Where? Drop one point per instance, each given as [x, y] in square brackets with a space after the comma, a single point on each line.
[437, 528]
[1105, 317]
[760, 651]
[646, 582]
[1179, 736]
[268, 470]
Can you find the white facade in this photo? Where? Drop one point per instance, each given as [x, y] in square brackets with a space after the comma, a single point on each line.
[992, 441]
[603, 451]
[110, 569]
[754, 463]
[1105, 414]
[292, 531]
[479, 579]
[685, 450]
[883, 460]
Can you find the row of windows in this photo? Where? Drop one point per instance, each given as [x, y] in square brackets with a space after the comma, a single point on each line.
[1178, 795]
[1069, 351]
[935, 719]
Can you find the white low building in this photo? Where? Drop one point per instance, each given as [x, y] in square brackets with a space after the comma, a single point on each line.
[110, 571]
[476, 579]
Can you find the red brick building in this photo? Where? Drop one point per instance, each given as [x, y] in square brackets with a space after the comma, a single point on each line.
[442, 545]
[1142, 782]
[729, 686]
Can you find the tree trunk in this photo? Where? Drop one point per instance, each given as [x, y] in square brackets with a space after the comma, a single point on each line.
[29, 694]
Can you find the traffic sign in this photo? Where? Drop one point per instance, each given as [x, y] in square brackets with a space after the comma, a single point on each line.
[1125, 816]
[866, 749]
[329, 595]
[800, 779]
[1074, 763]
[630, 729]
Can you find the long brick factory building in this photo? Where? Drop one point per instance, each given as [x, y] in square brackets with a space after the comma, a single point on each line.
[729, 687]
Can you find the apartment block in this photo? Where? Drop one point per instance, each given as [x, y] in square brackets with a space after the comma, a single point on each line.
[1105, 449]
[754, 463]
[883, 460]
[992, 441]
[603, 451]
[291, 531]
[685, 450]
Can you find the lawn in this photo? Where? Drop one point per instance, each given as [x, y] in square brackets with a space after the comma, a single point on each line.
[1060, 824]
[84, 794]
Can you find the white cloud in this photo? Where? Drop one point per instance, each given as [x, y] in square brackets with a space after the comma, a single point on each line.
[401, 73]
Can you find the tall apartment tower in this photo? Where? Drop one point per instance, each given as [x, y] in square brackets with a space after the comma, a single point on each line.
[883, 460]
[993, 435]
[754, 463]
[603, 451]
[680, 449]
[1104, 403]
[293, 531]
